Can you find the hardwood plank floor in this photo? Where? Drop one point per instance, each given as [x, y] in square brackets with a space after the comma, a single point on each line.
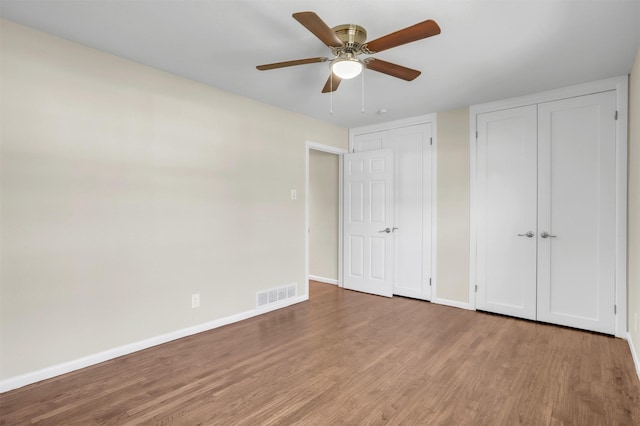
[351, 358]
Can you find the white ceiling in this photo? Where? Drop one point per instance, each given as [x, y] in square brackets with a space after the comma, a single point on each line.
[488, 50]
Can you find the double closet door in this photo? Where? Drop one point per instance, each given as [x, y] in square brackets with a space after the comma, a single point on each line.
[546, 212]
[387, 212]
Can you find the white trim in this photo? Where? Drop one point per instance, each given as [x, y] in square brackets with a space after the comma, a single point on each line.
[634, 355]
[622, 94]
[340, 217]
[434, 207]
[331, 150]
[67, 367]
[452, 303]
[620, 85]
[473, 244]
[323, 279]
[551, 95]
[389, 125]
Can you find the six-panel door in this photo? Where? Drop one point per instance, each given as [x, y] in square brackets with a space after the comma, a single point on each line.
[368, 222]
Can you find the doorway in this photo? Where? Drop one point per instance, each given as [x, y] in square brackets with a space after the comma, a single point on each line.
[323, 208]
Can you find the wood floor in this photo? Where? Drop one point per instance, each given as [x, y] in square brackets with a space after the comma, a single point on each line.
[351, 358]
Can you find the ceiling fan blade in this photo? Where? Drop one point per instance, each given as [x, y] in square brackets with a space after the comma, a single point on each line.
[392, 69]
[290, 63]
[313, 23]
[410, 34]
[332, 84]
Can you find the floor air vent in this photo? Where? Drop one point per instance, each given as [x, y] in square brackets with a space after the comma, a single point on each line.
[275, 295]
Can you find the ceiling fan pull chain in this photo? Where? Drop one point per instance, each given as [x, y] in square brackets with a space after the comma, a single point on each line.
[363, 92]
[331, 94]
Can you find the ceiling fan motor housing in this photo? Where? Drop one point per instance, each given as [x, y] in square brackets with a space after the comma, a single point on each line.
[352, 36]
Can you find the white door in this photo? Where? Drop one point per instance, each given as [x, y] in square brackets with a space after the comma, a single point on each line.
[369, 222]
[576, 261]
[506, 208]
[413, 211]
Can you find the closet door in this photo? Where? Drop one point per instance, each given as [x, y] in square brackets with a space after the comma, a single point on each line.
[413, 211]
[506, 208]
[577, 211]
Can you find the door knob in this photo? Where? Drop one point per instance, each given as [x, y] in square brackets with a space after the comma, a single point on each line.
[387, 230]
[547, 235]
[529, 234]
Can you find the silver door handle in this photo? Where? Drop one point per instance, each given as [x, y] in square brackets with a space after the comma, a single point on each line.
[547, 235]
[394, 229]
[529, 234]
[387, 230]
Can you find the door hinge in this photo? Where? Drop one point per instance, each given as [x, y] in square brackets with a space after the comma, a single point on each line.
[430, 141]
[615, 309]
[476, 288]
[476, 134]
[429, 282]
[616, 117]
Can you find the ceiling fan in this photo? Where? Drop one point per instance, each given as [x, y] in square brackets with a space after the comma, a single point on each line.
[347, 42]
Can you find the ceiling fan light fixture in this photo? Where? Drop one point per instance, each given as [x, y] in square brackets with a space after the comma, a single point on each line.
[348, 41]
[346, 67]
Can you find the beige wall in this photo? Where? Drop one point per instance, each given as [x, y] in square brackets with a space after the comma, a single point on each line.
[323, 214]
[125, 190]
[453, 205]
[634, 206]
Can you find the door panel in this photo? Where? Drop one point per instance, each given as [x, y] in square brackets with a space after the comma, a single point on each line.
[506, 184]
[577, 205]
[371, 141]
[355, 248]
[377, 252]
[413, 211]
[378, 206]
[368, 205]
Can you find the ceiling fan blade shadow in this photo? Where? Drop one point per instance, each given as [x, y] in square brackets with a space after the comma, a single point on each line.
[291, 63]
[391, 69]
[410, 34]
[313, 23]
[332, 84]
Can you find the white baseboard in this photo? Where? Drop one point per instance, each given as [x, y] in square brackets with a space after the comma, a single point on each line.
[67, 367]
[453, 303]
[323, 279]
[634, 354]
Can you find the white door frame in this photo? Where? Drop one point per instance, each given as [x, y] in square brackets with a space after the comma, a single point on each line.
[331, 150]
[620, 85]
